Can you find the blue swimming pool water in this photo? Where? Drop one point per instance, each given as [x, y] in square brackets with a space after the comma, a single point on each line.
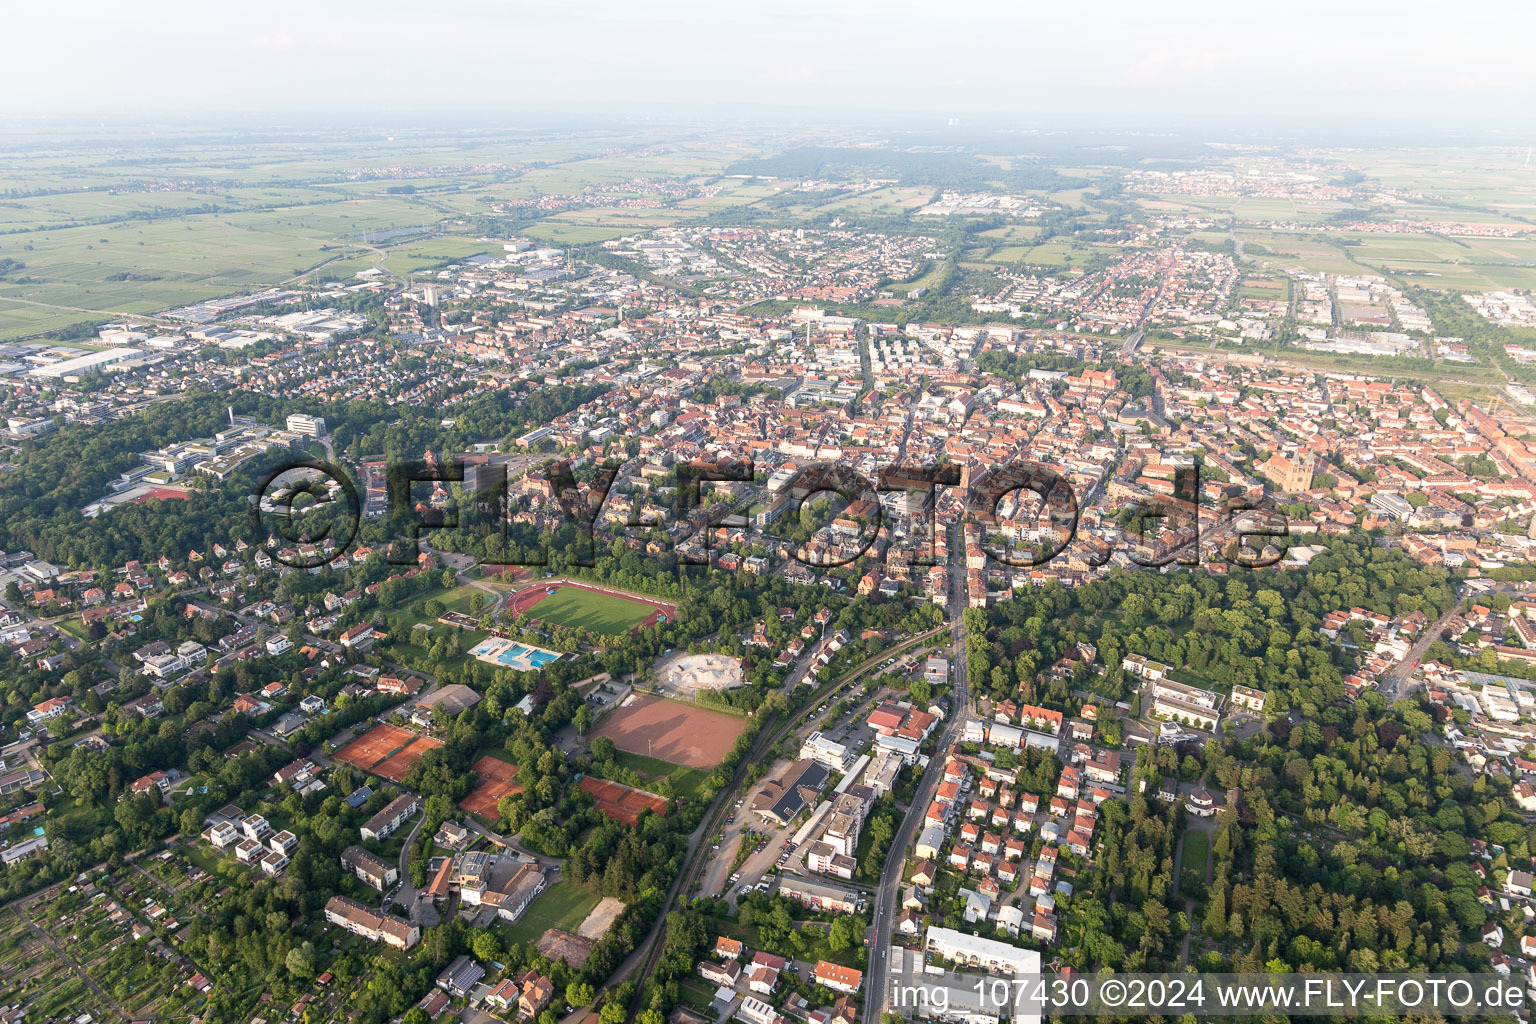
[536, 658]
[517, 655]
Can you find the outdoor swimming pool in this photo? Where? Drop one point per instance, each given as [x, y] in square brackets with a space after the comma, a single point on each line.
[513, 655]
[531, 655]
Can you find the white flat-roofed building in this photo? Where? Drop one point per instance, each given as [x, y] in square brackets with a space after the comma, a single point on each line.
[1137, 665]
[1248, 697]
[104, 361]
[1188, 694]
[880, 774]
[1387, 503]
[756, 1011]
[309, 426]
[902, 745]
[1010, 736]
[927, 992]
[1184, 712]
[975, 951]
[824, 750]
[825, 859]
[222, 835]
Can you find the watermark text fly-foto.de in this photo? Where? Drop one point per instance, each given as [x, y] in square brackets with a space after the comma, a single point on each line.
[1045, 492]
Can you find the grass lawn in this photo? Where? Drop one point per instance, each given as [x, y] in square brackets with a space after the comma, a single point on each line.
[563, 905]
[389, 848]
[75, 628]
[696, 992]
[189, 789]
[463, 599]
[199, 856]
[686, 781]
[1197, 852]
[408, 645]
[1188, 678]
[603, 614]
[406, 614]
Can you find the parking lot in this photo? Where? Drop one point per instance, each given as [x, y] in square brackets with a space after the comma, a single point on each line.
[741, 826]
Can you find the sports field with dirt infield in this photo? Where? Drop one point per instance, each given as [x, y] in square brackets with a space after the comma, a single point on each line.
[495, 779]
[575, 949]
[386, 750]
[622, 803]
[600, 610]
[672, 731]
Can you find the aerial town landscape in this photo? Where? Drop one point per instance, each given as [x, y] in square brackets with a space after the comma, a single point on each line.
[768, 572]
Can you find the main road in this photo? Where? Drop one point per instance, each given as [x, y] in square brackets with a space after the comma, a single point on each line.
[1398, 682]
[643, 959]
[887, 901]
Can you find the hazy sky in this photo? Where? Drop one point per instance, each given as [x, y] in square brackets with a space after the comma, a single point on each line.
[947, 57]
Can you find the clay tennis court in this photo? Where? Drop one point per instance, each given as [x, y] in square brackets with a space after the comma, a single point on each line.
[162, 494]
[604, 613]
[672, 731]
[386, 750]
[621, 803]
[395, 768]
[374, 745]
[495, 781]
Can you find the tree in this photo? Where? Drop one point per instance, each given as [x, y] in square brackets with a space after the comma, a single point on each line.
[841, 935]
[301, 961]
[486, 946]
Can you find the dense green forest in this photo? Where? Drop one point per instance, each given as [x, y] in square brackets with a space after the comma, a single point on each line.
[60, 473]
[1254, 627]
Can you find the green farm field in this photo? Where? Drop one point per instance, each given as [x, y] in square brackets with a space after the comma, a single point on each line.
[87, 236]
[131, 266]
